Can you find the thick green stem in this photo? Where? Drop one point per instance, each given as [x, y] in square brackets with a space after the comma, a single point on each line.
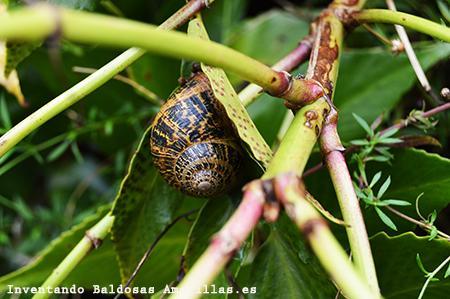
[400, 18]
[111, 31]
[41, 21]
[91, 240]
[91, 83]
[298, 142]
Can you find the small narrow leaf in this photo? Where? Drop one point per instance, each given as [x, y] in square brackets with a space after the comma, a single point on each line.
[364, 124]
[384, 187]
[447, 273]
[385, 218]
[360, 142]
[395, 202]
[420, 264]
[58, 151]
[4, 113]
[432, 217]
[375, 179]
[76, 152]
[390, 132]
[390, 140]
[379, 158]
[109, 128]
[433, 233]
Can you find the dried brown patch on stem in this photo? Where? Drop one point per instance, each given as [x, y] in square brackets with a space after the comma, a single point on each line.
[325, 54]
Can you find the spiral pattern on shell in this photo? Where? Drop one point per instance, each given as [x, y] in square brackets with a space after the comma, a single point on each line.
[192, 141]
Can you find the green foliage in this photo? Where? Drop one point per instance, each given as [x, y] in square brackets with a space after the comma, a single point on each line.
[372, 82]
[145, 203]
[285, 268]
[42, 265]
[397, 271]
[79, 158]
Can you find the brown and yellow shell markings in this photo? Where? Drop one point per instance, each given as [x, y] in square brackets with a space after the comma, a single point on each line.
[193, 142]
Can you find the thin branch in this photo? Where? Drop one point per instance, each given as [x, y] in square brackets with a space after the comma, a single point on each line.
[379, 36]
[412, 56]
[424, 225]
[400, 18]
[430, 277]
[148, 94]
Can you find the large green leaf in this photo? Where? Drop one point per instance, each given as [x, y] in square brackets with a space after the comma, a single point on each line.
[412, 172]
[269, 36]
[372, 81]
[209, 221]
[144, 206]
[285, 268]
[397, 271]
[42, 265]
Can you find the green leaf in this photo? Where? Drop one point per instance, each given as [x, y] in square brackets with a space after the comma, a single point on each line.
[58, 151]
[88, 5]
[4, 113]
[16, 52]
[433, 233]
[375, 179]
[432, 217]
[279, 32]
[209, 221]
[284, 267]
[384, 187]
[416, 171]
[390, 132]
[360, 142]
[395, 202]
[43, 264]
[420, 264]
[398, 274]
[390, 140]
[143, 207]
[363, 124]
[447, 272]
[372, 81]
[412, 172]
[385, 218]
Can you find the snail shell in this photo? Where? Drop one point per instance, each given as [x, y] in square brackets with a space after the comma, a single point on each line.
[193, 142]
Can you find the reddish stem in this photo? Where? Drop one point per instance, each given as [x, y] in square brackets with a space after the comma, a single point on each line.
[225, 243]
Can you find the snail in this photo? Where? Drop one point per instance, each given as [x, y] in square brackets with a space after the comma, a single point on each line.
[193, 142]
